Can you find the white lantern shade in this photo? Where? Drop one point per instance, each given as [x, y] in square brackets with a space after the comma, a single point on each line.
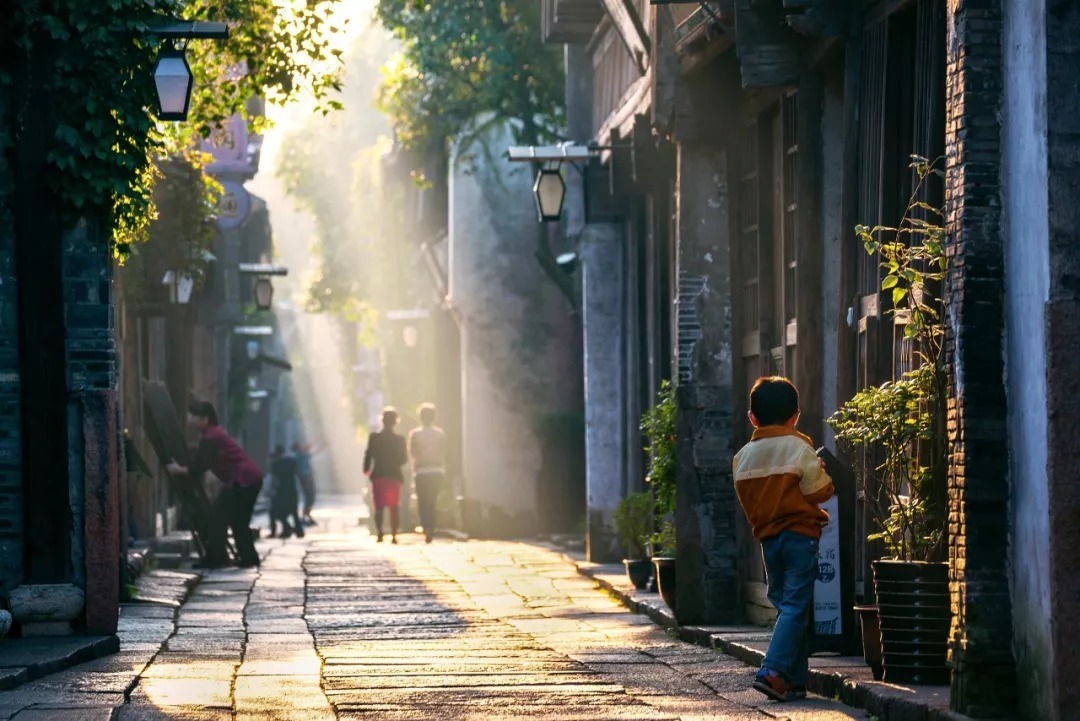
[264, 294]
[410, 335]
[549, 192]
[173, 81]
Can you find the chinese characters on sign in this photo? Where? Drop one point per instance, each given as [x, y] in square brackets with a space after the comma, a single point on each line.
[827, 588]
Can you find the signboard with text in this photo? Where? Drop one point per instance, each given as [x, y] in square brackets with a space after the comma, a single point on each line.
[827, 597]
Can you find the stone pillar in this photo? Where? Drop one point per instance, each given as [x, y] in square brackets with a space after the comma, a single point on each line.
[603, 281]
[92, 426]
[706, 505]
[984, 674]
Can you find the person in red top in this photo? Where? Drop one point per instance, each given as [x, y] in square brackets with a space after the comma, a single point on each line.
[242, 478]
[383, 459]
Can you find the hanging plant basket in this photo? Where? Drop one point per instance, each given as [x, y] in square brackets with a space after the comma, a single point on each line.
[914, 615]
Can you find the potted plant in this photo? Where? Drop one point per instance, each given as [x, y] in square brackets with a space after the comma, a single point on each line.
[658, 425]
[895, 437]
[633, 521]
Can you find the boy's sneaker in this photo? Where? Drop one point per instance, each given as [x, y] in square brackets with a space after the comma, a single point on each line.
[776, 687]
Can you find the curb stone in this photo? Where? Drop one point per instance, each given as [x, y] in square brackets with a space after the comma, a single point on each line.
[884, 701]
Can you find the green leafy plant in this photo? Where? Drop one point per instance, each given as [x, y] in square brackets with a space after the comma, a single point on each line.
[658, 425]
[633, 521]
[895, 434]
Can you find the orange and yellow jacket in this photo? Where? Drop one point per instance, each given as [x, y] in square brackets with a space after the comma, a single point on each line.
[779, 481]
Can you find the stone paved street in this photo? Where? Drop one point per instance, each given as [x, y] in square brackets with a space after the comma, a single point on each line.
[336, 626]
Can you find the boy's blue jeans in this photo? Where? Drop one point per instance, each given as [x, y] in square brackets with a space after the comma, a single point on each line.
[791, 567]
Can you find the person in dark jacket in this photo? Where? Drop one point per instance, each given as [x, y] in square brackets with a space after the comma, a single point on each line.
[284, 501]
[242, 479]
[383, 460]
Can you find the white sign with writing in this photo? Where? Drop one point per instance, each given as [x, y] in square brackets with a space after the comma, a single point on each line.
[827, 588]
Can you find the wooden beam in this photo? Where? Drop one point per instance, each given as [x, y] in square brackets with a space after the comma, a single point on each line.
[624, 16]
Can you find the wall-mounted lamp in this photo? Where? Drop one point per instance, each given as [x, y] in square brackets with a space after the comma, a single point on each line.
[173, 79]
[549, 190]
[262, 289]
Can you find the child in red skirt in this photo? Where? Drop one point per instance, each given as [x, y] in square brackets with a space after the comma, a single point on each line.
[383, 460]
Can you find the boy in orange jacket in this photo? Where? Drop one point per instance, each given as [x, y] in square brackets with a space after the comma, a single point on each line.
[780, 481]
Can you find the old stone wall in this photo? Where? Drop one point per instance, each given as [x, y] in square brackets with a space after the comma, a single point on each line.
[980, 653]
[706, 505]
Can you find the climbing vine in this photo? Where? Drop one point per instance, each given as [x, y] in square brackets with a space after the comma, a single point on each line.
[77, 93]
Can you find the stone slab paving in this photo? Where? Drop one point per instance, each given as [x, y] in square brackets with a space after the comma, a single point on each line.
[336, 626]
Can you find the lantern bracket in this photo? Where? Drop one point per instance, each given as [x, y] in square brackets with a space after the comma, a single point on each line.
[175, 29]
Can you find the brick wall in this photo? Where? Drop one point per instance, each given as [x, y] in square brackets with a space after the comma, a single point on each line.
[88, 311]
[980, 639]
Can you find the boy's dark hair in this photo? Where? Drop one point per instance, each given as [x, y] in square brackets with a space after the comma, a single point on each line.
[773, 400]
[389, 417]
[203, 409]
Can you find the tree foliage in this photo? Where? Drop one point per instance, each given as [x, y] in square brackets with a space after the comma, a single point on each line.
[465, 60]
[79, 75]
[331, 167]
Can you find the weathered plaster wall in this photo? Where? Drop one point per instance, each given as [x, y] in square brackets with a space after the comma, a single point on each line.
[1027, 278]
[520, 371]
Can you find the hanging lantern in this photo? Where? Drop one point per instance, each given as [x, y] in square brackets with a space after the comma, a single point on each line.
[550, 192]
[173, 81]
[264, 294]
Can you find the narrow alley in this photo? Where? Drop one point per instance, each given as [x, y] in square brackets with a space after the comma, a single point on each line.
[335, 626]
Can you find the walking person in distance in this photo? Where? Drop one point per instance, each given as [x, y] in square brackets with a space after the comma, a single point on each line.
[427, 450]
[284, 500]
[383, 459]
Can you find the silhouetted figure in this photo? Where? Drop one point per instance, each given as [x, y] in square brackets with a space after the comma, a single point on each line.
[383, 459]
[303, 453]
[284, 500]
[242, 479]
[427, 449]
